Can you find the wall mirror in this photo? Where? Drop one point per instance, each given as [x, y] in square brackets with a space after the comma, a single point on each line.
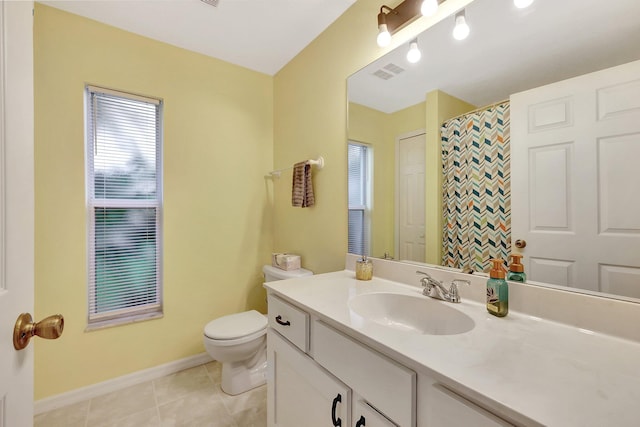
[397, 206]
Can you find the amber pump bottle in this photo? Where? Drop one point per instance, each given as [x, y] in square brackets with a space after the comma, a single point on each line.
[516, 269]
[497, 290]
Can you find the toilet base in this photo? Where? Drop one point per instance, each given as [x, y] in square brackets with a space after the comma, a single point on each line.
[238, 377]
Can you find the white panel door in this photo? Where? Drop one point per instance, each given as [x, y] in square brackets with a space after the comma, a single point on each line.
[411, 201]
[16, 208]
[575, 150]
[300, 392]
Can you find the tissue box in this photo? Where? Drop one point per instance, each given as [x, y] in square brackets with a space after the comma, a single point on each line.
[285, 261]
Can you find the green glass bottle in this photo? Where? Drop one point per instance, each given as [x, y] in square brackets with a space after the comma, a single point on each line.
[516, 269]
[497, 290]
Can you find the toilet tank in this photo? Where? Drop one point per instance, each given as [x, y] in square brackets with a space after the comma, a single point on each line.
[272, 273]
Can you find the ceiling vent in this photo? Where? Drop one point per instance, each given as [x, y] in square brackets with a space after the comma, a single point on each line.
[213, 3]
[382, 74]
[393, 68]
[388, 71]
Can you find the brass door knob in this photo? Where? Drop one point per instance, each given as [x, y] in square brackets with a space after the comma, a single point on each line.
[49, 328]
[520, 244]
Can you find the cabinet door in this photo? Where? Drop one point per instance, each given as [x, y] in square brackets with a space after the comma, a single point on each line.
[447, 409]
[300, 392]
[384, 383]
[365, 415]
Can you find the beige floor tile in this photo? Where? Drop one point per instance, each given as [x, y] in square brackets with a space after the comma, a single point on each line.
[256, 398]
[181, 383]
[148, 418]
[215, 371]
[69, 416]
[188, 398]
[200, 408]
[252, 417]
[107, 409]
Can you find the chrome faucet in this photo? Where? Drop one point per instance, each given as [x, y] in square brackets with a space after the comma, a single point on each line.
[435, 289]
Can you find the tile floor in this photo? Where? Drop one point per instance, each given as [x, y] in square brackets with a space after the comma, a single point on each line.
[187, 398]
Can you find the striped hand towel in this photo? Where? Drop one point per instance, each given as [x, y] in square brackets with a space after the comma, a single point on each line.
[302, 191]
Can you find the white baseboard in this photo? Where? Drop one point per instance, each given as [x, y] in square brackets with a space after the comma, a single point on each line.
[115, 384]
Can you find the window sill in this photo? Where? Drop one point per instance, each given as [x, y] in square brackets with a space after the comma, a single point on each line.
[110, 323]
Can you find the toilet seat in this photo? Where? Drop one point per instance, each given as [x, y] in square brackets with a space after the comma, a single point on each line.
[236, 328]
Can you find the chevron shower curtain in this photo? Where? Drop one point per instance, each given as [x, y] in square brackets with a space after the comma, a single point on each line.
[477, 188]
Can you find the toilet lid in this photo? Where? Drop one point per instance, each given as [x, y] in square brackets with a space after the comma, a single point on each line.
[235, 325]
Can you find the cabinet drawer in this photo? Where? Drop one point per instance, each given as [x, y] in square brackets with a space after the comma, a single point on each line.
[388, 386]
[448, 409]
[290, 321]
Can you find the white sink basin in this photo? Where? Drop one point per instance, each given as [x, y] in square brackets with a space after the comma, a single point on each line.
[411, 313]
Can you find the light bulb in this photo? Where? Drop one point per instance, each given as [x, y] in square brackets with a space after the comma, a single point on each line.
[384, 37]
[521, 4]
[414, 54]
[429, 7]
[461, 30]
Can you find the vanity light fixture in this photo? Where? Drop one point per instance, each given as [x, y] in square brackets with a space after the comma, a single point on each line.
[429, 7]
[384, 36]
[461, 30]
[391, 20]
[521, 4]
[414, 54]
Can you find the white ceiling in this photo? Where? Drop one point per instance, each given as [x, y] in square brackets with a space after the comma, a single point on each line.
[262, 35]
[508, 50]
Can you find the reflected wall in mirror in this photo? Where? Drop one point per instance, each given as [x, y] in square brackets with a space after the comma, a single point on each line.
[570, 73]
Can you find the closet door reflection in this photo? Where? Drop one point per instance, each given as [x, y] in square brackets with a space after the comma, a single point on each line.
[410, 214]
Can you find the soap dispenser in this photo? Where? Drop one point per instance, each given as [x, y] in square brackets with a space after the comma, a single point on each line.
[497, 290]
[516, 269]
[364, 268]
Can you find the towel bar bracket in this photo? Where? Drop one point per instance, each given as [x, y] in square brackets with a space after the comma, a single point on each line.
[319, 163]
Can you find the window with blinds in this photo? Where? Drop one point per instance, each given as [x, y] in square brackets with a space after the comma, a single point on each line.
[359, 195]
[124, 201]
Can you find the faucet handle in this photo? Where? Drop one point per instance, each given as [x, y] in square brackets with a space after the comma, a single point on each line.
[426, 279]
[453, 290]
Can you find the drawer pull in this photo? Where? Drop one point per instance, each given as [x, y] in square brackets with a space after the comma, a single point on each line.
[280, 322]
[337, 422]
[360, 422]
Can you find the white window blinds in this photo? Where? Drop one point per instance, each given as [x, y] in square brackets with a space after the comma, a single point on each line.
[358, 184]
[124, 140]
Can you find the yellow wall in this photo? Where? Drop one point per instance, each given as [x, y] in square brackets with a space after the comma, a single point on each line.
[380, 130]
[440, 107]
[369, 126]
[218, 145]
[400, 123]
[310, 119]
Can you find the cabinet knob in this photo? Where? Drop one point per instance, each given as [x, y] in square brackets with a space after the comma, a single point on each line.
[360, 422]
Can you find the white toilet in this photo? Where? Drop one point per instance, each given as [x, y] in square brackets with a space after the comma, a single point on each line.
[239, 341]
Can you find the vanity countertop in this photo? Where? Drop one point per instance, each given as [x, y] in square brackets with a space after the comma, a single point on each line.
[554, 374]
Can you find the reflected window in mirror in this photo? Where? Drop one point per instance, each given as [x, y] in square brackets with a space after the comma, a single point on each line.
[360, 183]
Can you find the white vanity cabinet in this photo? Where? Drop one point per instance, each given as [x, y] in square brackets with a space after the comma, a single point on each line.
[344, 384]
[382, 383]
[320, 376]
[448, 409]
[364, 415]
[300, 392]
